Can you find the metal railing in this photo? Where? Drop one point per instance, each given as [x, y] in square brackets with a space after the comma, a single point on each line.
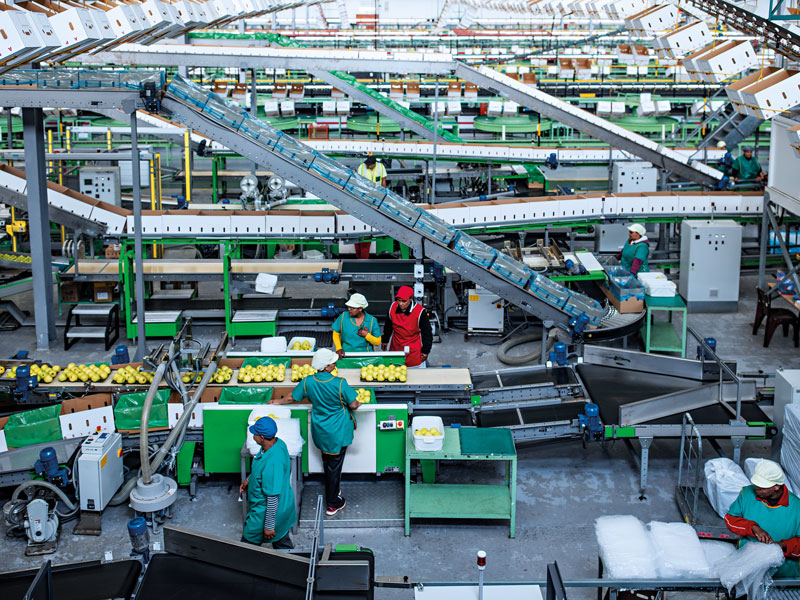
[723, 369]
[690, 475]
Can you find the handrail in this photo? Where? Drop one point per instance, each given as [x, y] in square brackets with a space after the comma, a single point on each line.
[723, 367]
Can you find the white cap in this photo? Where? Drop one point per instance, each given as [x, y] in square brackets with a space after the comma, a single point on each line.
[638, 228]
[722, 144]
[357, 301]
[768, 474]
[322, 358]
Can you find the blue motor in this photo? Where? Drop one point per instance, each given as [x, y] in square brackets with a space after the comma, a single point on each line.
[331, 311]
[712, 343]
[578, 325]
[558, 355]
[24, 383]
[552, 161]
[140, 538]
[589, 422]
[47, 467]
[120, 356]
[327, 276]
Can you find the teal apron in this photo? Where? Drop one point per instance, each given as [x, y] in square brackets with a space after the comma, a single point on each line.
[351, 341]
[270, 475]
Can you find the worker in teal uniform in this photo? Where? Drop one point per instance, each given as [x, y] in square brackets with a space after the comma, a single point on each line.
[635, 252]
[332, 422]
[356, 330]
[747, 167]
[271, 510]
[769, 513]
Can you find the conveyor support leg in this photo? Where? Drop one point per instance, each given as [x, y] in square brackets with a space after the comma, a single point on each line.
[645, 444]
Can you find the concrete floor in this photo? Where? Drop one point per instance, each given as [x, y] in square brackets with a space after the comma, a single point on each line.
[562, 488]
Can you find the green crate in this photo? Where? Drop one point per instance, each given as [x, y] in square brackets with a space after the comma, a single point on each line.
[265, 361]
[363, 361]
[245, 395]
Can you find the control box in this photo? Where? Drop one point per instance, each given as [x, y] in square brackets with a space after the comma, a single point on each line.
[485, 312]
[102, 183]
[100, 472]
[787, 391]
[633, 177]
[710, 261]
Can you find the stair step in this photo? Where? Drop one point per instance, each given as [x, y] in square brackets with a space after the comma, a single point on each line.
[86, 332]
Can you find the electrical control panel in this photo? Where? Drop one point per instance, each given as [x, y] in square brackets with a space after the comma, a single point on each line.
[99, 470]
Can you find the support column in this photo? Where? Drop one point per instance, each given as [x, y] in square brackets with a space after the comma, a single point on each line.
[762, 247]
[39, 227]
[435, 135]
[138, 250]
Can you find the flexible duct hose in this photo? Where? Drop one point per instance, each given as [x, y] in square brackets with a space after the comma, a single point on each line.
[47, 485]
[505, 358]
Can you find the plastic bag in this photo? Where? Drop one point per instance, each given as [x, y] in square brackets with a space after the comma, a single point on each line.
[724, 480]
[748, 568]
[790, 447]
[33, 427]
[128, 411]
[716, 552]
[246, 395]
[678, 550]
[625, 548]
[288, 428]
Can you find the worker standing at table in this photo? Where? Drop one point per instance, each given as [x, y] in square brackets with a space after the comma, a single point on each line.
[271, 511]
[376, 173]
[769, 513]
[356, 330]
[332, 422]
[747, 167]
[408, 326]
[635, 252]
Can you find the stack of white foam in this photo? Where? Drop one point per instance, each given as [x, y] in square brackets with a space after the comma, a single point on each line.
[657, 285]
[630, 550]
[790, 448]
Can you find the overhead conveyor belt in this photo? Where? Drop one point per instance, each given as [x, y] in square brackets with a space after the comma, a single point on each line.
[570, 115]
[386, 106]
[372, 61]
[378, 207]
[780, 39]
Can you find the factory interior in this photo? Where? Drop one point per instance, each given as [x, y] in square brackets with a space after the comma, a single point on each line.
[460, 299]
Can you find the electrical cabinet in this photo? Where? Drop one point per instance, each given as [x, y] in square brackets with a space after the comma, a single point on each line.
[610, 237]
[102, 183]
[710, 261]
[633, 177]
[100, 472]
[485, 312]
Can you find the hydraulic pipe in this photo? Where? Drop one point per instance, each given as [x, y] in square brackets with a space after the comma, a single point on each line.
[45, 484]
[148, 402]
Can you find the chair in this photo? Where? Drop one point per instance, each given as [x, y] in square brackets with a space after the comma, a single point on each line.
[775, 317]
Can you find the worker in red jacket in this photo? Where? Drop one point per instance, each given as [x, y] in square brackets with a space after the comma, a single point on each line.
[408, 326]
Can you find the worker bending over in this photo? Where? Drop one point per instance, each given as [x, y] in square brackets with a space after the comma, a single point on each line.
[408, 326]
[356, 330]
[635, 252]
[747, 167]
[769, 513]
[271, 511]
[332, 423]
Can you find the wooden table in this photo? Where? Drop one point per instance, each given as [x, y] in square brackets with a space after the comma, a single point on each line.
[787, 297]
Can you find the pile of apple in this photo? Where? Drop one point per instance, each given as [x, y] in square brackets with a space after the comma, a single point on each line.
[132, 376]
[260, 373]
[364, 396]
[392, 373]
[302, 371]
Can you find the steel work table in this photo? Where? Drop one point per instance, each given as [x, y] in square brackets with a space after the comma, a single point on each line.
[464, 501]
[661, 336]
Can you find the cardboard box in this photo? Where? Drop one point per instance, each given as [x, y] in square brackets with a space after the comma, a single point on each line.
[70, 292]
[629, 306]
[104, 291]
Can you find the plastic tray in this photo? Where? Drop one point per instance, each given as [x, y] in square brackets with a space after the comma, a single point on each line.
[400, 210]
[511, 270]
[474, 251]
[301, 339]
[435, 228]
[428, 443]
